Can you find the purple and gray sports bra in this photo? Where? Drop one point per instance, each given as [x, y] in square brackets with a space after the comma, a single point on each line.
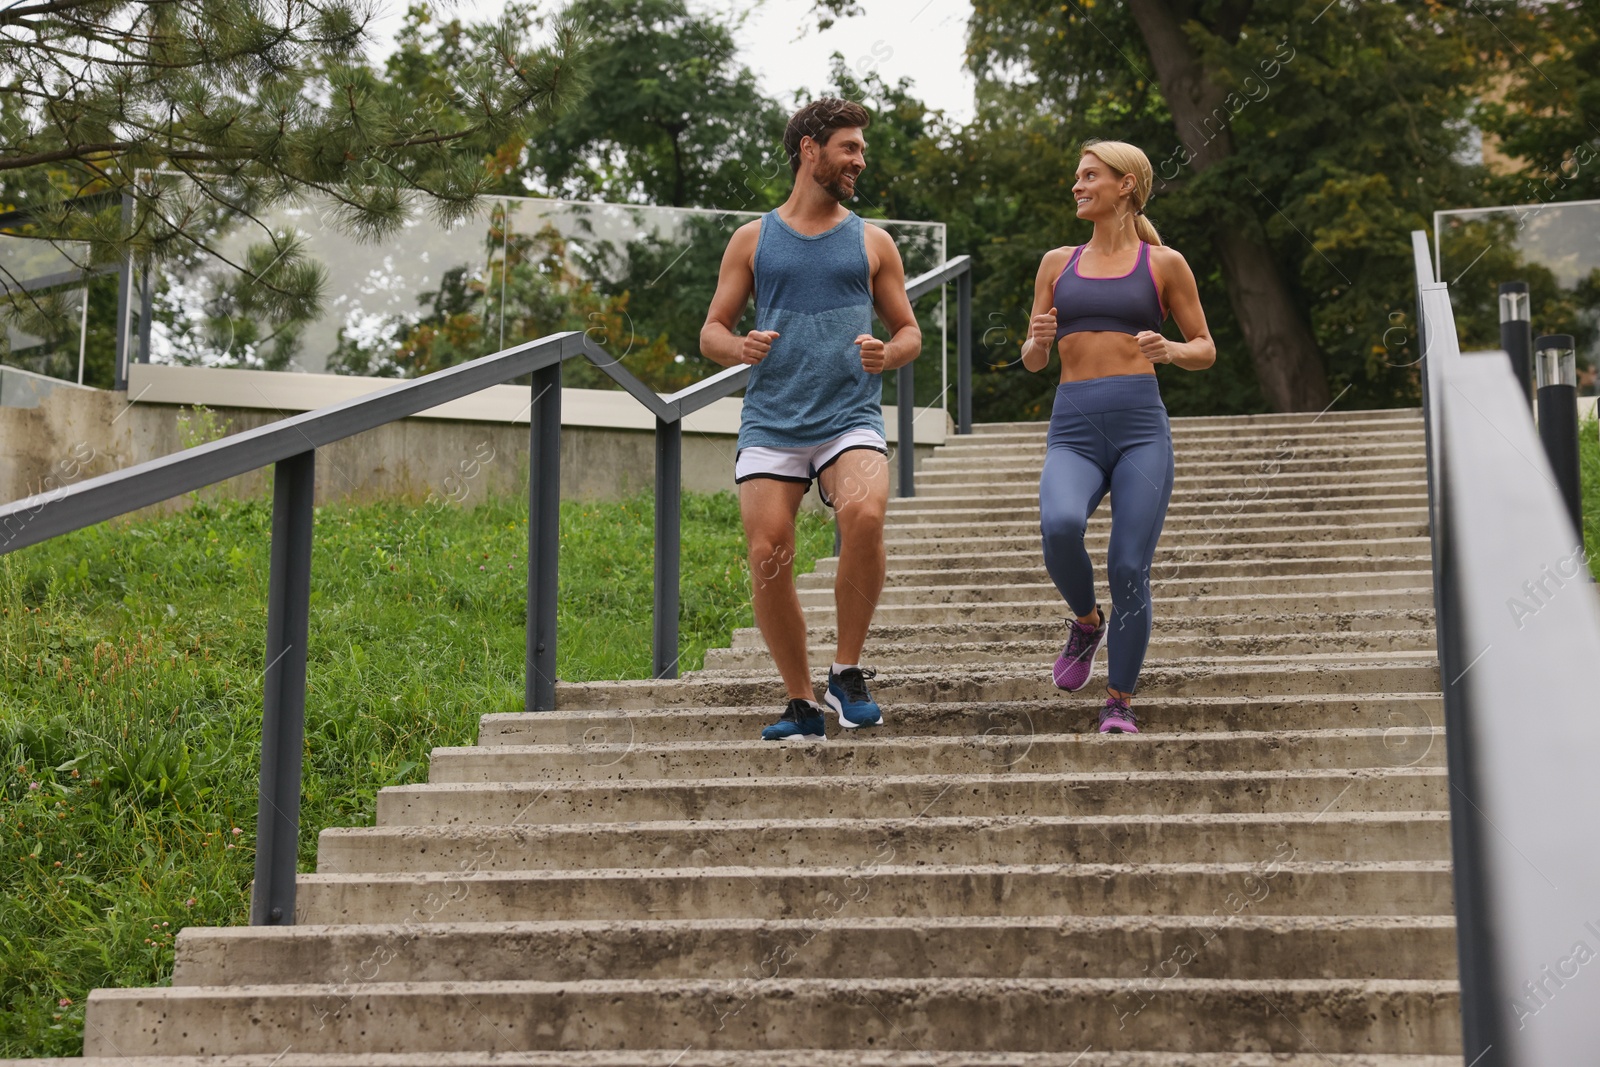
[1128, 303]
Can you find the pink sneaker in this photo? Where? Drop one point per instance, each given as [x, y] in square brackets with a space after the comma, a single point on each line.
[1076, 662]
[1117, 718]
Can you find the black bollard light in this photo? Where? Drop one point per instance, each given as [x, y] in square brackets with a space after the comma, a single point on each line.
[1556, 368]
[1516, 333]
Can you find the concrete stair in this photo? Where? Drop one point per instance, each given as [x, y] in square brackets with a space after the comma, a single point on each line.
[1260, 877]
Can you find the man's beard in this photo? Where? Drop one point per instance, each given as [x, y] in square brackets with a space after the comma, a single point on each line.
[833, 184]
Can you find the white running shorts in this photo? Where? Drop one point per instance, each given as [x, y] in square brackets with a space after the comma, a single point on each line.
[803, 464]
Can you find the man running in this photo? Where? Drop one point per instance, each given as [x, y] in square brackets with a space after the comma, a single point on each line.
[814, 406]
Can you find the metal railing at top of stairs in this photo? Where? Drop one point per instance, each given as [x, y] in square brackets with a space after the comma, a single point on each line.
[290, 446]
[1518, 625]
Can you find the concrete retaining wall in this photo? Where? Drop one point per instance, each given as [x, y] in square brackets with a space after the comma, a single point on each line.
[462, 452]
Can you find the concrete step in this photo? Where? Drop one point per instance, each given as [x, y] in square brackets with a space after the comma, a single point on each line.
[1241, 946]
[973, 591]
[1053, 627]
[1017, 477]
[925, 842]
[1162, 649]
[1280, 446]
[591, 731]
[1400, 674]
[1378, 788]
[1026, 506]
[1279, 439]
[877, 753]
[1400, 887]
[922, 538]
[1026, 520]
[1216, 462]
[1012, 1014]
[1020, 491]
[1266, 421]
[1023, 567]
[803, 1057]
[978, 553]
[1044, 607]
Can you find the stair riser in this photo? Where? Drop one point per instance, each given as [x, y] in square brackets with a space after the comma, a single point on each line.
[867, 890]
[1053, 628]
[1019, 537]
[1354, 678]
[835, 843]
[1201, 463]
[1180, 504]
[1030, 754]
[1179, 516]
[985, 570]
[976, 553]
[1161, 650]
[1376, 419]
[755, 1016]
[1063, 713]
[1245, 484]
[1166, 588]
[1271, 440]
[1044, 606]
[352, 957]
[1410, 789]
[1264, 490]
[917, 524]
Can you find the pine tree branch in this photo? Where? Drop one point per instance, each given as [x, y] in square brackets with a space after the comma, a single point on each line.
[13, 14]
[81, 152]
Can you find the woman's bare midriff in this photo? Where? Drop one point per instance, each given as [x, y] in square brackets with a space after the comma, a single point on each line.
[1100, 354]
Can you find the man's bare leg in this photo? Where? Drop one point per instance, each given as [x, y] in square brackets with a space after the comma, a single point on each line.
[768, 507]
[858, 484]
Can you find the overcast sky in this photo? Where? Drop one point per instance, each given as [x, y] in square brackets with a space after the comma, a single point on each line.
[917, 39]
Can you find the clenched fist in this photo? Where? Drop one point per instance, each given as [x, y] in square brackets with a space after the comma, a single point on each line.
[1154, 347]
[1042, 330]
[871, 353]
[757, 343]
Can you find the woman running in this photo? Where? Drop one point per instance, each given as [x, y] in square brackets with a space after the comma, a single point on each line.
[1102, 305]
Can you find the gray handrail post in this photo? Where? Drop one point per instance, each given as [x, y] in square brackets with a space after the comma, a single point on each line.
[669, 518]
[544, 536]
[964, 353]
[905, 400]
[283, 705]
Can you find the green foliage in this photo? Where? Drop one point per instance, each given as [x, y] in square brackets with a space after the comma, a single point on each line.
[671, 118]
[254, 106]
[1589, 463]
[130, 701]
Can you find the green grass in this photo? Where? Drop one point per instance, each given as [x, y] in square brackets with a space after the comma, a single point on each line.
[1589, 460]
[130, 702]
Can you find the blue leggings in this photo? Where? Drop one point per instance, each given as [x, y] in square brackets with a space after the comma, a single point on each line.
[1108, 434]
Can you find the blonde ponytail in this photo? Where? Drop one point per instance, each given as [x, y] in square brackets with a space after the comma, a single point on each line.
[1124, 159]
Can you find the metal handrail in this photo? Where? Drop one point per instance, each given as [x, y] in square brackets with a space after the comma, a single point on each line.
[1519, 631]
[290, 445]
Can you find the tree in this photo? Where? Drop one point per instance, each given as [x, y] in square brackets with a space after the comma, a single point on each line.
[1294, 145]
[672, 118]
[242, 105]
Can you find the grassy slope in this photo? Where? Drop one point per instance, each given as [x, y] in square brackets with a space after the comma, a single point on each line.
[130, 702]
[1589, 457]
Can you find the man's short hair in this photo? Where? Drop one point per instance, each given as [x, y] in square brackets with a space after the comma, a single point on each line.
[817, 120]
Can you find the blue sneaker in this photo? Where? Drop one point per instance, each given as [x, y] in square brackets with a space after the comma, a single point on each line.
[801, 719]
[847, 694]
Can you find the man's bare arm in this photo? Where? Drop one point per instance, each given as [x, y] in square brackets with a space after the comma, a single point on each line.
[735, 284]
[894, 308]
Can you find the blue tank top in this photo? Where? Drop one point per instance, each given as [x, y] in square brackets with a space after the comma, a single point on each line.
[815, 290]
[1128, 303]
